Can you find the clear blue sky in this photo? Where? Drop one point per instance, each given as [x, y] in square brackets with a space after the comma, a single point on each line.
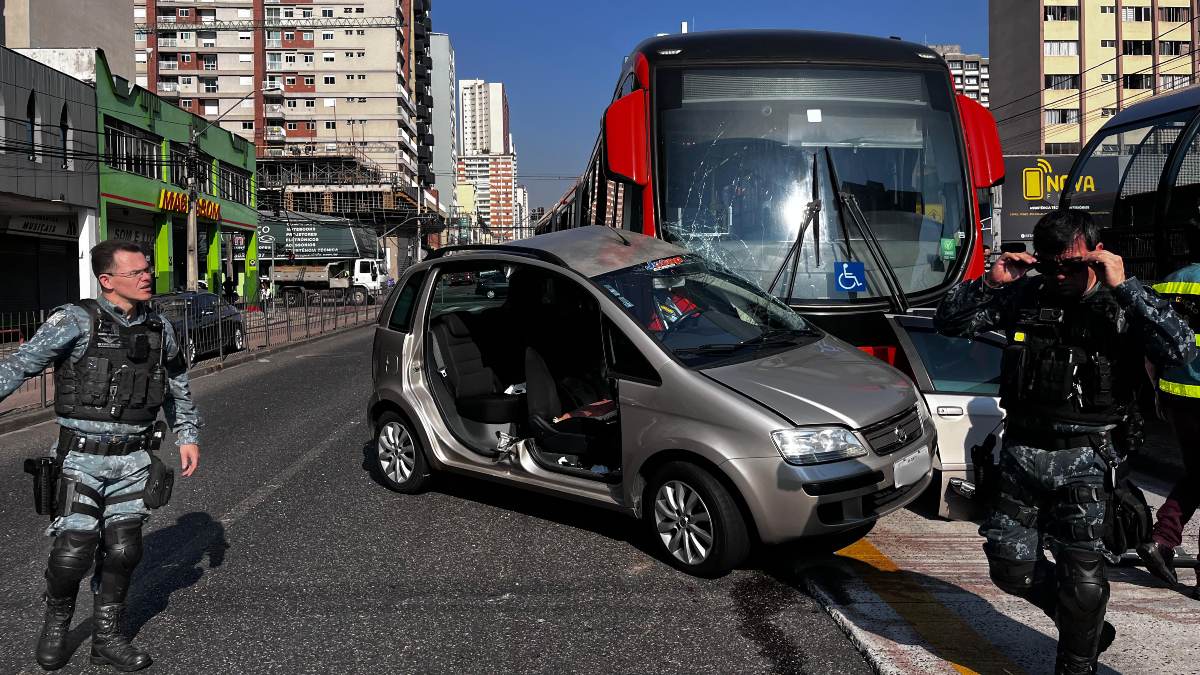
[559, 59]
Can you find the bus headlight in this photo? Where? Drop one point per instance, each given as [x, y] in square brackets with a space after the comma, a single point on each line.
[816, 445]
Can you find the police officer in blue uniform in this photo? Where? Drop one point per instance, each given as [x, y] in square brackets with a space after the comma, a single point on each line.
[1078, 336]
[116, 364]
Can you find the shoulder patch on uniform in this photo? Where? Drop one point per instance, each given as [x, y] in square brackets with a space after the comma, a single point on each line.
[56, 318]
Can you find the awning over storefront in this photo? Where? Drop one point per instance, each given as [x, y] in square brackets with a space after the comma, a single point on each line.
[312, 235]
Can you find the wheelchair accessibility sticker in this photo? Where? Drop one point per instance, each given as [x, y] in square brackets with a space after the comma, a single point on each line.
[850, 277]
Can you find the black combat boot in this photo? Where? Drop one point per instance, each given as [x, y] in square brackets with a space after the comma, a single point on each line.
[52, 651]
[109, 645]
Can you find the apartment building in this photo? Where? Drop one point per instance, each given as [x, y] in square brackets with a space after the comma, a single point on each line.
[297, 77]
[488, 158]
[1063, 68]
[971, 72]
[444, 91]
[494, 179]
[483, 108]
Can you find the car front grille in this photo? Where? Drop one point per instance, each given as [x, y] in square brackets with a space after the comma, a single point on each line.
[894, 433]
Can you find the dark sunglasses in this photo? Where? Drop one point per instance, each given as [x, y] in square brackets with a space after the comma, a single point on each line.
[1066, 267]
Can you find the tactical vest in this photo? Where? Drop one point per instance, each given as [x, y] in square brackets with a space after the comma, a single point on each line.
[1184, 296]
[119, 378]
[1070, 364]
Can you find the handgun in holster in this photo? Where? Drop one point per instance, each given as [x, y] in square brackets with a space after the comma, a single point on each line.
[985, 472]
[46, 472]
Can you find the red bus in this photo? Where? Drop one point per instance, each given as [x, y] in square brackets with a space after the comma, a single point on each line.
[840, 172]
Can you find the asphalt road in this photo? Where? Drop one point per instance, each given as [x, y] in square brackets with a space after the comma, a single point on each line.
[282, 555]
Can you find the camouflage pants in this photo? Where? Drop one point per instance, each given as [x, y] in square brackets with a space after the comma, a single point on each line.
[1032, 478]
[111, 477]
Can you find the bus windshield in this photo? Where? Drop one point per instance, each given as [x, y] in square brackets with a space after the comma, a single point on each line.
[747, 152]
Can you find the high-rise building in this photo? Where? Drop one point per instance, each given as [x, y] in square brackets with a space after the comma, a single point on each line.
[324, 77]
[1061, 70]
[483, 110]
[521, 212]
[445, 118]
[47, 24]
[495, 192]
[971, 72]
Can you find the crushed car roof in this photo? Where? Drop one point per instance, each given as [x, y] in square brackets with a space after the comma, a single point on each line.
[593, 250]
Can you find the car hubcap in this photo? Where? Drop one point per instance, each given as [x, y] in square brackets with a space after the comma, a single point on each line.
[238, 339]
[397, 453]
[683, 522]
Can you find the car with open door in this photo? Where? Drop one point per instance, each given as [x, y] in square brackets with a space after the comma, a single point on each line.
[624, 371]
[960, 380]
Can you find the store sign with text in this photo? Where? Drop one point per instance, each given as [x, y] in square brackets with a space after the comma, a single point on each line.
[169, 200]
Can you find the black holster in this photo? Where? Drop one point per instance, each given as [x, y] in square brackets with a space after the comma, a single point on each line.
[46, 472]
[161, 480]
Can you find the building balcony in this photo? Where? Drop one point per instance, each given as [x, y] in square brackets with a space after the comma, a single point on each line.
[168, 65]
[168, 42]
[275, 43]
[276, 134]
[274, 110]
[168, 87]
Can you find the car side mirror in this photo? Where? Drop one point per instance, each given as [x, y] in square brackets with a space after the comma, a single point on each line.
[626, 143]
[984, 156]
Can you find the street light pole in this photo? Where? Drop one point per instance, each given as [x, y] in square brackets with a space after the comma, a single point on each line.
[193, 233]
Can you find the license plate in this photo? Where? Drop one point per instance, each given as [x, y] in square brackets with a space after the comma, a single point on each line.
[911, 468]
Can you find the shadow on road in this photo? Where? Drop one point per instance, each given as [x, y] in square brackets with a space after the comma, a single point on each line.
[171, 562]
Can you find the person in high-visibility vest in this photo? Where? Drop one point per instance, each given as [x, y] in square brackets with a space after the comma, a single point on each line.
[1179, 395]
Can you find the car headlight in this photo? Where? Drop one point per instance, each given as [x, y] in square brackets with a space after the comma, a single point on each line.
[815, 445]
[922, 407]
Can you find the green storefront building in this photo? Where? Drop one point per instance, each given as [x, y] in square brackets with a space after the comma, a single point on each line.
[143, 143]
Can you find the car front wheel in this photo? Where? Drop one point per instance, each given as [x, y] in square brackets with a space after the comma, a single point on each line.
[695, 522]
[398, 461]
[238, 342]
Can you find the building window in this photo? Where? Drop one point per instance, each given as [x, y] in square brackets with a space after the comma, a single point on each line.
[954, 65]
[1062, 148]
[331, 103]
[971, 65]
[1062, 13]
[349, 55]
[349, 76]
[327, 12]
[1136, 47]
[181, 12]
[307, 35]
[331, 125]
[1060, 116]
[1175, 14]
[327, 57]
[362, 76]
[186, 58]
[310, 81]
[310, 103]
[66, 137]
[1135, 13]
[210, 84]
[185, 103]
[329, 79]
[127, 148]
[291, 103]
[1108, 112]
[289, 58]
[245, 35]
[289, 35]
[1108, 9]
[247, 126]
[1062, 81]
[1174, 47]
[233, 184]
[1108, 77]
[309, 58]
[209, 61]
[1174, 81]
[327, 35]
[1111, 44]
[292, 126]
[1139, 81]
[1061, 48]
[139, 36]
[33, 127]
[311, 126]
[289, 80]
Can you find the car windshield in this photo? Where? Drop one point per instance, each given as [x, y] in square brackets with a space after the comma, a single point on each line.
[748, 153]
[704, 314]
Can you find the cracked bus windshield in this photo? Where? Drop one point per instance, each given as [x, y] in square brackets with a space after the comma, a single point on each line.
[747, 154]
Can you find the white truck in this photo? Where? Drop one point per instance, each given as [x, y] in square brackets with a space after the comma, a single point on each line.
[358, 280]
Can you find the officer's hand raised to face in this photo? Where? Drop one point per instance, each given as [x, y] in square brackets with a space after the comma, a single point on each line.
[1110, 269]
[1009, 267]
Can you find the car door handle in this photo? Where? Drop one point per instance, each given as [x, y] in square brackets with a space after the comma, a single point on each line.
[949, 411]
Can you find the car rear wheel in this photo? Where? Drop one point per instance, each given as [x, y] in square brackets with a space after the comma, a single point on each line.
[238, 342]
[189, 351]
[358, 297]
[398, 461]
[695, 521]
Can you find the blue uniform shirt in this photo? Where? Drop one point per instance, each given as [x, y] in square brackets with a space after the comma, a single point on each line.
[65, 335]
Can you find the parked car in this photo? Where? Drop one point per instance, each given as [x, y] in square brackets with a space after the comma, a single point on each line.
[492, 284]
[625, 371]
[204, 323]
[960, 380]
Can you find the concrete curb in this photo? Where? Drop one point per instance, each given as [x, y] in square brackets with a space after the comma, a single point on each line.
[857, 636]
[25, 420]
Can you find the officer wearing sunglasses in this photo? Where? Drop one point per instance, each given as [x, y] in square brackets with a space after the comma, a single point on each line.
[1078, 334]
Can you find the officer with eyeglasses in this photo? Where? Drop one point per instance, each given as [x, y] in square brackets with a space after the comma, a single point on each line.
[1078, 336]
[116, 364]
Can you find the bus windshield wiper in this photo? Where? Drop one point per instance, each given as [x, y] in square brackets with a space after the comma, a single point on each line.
[848, 204]
[793, 254]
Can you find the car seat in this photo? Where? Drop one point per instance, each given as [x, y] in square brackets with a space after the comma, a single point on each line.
[477, 391]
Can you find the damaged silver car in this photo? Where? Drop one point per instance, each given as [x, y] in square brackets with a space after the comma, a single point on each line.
[624, 371]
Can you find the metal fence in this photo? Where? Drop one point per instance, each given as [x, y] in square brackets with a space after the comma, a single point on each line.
[209, 329]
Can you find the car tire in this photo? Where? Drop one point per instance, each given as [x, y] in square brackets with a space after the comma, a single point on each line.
[684, 506]
[238, 342]
[398, 460]
[189, 352]
[358, 297]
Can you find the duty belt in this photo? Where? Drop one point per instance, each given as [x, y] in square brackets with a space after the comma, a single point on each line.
[107, 445]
